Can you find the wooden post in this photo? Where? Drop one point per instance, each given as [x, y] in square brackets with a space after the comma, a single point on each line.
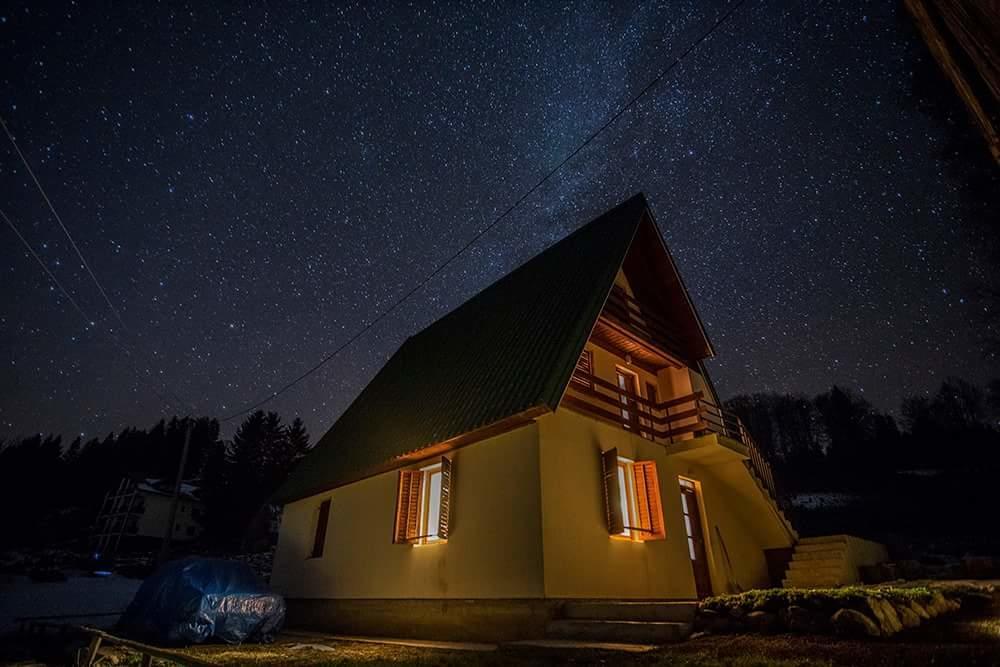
[169, 532]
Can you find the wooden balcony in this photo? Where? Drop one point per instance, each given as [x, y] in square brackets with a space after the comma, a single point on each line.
[667, 422]
[626, 328]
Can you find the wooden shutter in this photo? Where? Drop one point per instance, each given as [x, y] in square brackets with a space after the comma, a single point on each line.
[647, 492]
[444, 517]
[612, 492]
[408, 506]
[319, 539]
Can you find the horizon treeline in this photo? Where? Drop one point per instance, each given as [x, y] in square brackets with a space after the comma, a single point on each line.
[51, 492]
[838, 441]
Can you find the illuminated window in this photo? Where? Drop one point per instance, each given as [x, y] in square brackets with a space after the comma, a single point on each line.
[632, 498]
[423, 506]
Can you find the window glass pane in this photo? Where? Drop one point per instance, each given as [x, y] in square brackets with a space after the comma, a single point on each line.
[691, 549]
[687, 524]
[624, 495]
[433, 502]
[684, 503]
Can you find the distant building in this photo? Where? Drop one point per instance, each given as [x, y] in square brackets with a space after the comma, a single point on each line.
[135, 514]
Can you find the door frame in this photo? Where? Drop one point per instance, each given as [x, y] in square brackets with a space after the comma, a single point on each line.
[685, 482]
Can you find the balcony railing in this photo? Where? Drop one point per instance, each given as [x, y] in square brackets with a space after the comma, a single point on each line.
[666, 421]
[626, 311]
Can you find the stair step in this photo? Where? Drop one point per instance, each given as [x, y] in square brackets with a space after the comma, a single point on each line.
[825, 539]
[819, 554]
[629, 632]
[814, 564]
[822, 583]
[681, 612]
[821, 546]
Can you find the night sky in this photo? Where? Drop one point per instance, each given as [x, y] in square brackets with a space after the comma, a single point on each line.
[252, 185]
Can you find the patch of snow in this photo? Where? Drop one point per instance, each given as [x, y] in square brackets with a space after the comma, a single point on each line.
[825, 500]
[19, 596]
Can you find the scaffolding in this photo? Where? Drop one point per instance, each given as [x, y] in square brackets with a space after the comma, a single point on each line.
[116, 517]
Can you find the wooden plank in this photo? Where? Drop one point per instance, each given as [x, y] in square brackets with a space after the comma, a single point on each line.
[99, 636]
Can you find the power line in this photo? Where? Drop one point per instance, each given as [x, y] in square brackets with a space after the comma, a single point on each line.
[396, 304]
[177, 401]
[69, 236]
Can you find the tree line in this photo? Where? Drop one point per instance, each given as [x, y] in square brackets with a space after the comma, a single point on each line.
[51, 490]
[838, 440]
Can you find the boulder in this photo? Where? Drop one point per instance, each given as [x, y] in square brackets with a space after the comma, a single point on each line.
[885, 615]
[907, 616]
[852, 623]
[709, 620]
[763, 622]
[800, 619]
[937, 605]
[919, 610]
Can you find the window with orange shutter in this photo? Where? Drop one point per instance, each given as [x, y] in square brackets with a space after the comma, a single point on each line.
[632, 498]
[424, 504]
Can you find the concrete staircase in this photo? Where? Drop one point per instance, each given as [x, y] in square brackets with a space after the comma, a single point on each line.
[624, 622]
[819, 562]
[773, 501]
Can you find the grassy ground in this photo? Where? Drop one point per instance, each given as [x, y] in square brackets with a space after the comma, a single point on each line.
[959, 642]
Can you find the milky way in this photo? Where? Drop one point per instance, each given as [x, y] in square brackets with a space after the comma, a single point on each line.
[252, 185]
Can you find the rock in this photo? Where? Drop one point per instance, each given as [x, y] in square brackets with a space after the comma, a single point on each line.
[763, 622]
[704, 619]
[937, 605]
[885, 616]
[852, 623]
[709, 620]
[907, 616]
[919, 610]
[800, 619]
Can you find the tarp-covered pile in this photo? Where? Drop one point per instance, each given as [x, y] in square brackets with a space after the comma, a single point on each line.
[194, 600]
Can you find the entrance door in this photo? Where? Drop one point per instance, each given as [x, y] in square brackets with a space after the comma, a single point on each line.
[695, 538]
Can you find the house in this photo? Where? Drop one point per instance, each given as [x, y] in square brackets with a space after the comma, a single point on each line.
[135, 514]
[555, 438]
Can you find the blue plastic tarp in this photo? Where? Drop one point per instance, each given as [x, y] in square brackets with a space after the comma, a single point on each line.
[195, 600]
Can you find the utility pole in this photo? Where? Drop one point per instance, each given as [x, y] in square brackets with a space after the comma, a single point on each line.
[169, 532]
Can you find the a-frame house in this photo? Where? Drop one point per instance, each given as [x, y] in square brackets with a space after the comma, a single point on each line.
[556, 438]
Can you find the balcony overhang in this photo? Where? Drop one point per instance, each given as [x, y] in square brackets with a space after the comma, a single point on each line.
[708, 450]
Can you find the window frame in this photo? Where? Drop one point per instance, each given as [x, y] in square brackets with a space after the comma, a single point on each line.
[429, 499]
[424, 504]
[635, 488]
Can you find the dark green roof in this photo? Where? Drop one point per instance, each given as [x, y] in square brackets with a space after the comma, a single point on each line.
[508, 349]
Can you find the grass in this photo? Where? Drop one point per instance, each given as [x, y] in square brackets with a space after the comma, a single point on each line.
[973, 642]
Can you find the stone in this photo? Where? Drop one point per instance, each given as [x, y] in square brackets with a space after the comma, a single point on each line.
[763, 622]
[937, 605]
[800, 619]
[885, 616]
[919, 610]
[907, 616]
[852, 623]
[709, 620]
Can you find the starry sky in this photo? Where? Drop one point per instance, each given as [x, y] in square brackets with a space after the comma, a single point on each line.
[253, 184]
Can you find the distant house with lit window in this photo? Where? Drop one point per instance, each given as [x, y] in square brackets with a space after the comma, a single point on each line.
[553, 443]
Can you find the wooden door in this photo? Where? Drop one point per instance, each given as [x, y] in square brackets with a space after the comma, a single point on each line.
[628, 383]
[695, 538]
